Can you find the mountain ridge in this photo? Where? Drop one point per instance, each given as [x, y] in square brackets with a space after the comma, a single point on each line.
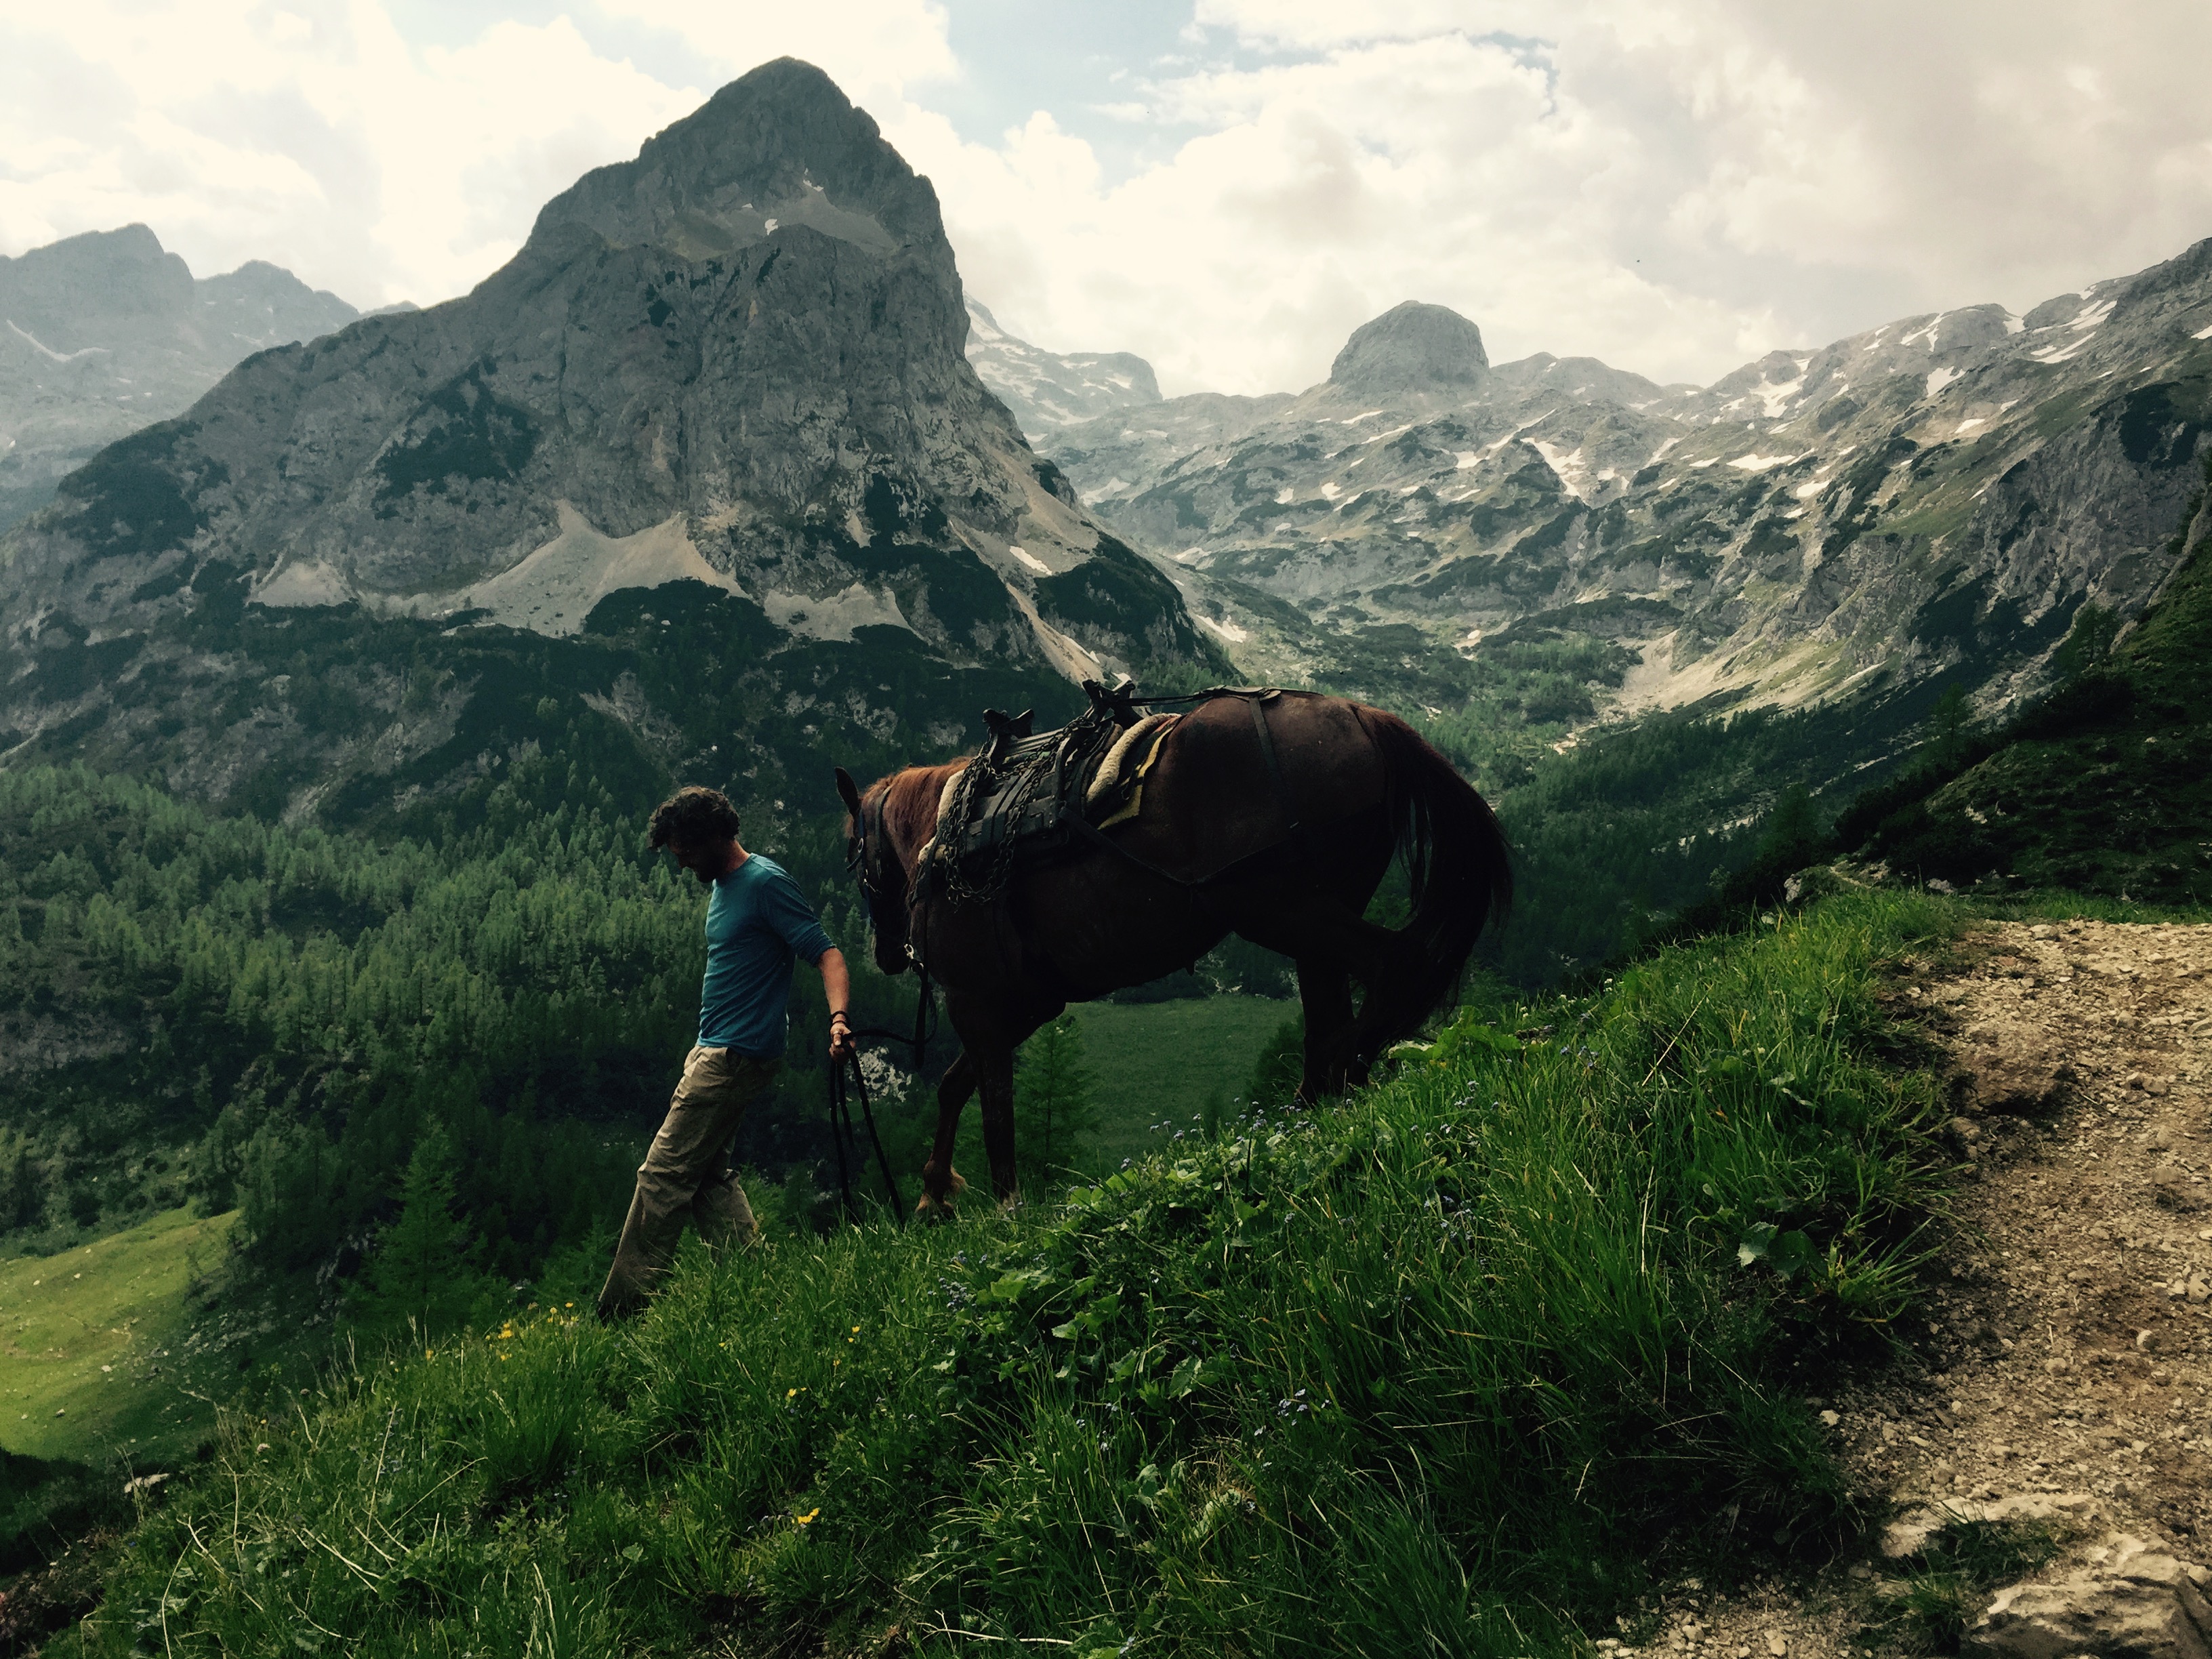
[107, 331]
[668, 383]
[1048, 390]
[1942, 492]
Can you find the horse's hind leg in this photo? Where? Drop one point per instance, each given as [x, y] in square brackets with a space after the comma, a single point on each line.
[940, 1181]
[1325, 929]
[1397, 985]
[1324, 989]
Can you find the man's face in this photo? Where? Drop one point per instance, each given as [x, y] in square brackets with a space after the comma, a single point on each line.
[703, 858]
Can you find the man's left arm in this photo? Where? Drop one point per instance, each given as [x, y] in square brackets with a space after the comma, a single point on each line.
[837, 987]
[787, 911]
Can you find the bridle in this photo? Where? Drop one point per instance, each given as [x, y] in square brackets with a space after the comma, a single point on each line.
[863, 853]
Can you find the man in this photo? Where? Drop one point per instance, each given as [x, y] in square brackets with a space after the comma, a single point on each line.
[757, 924]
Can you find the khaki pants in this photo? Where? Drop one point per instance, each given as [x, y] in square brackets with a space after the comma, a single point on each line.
[684, 1175]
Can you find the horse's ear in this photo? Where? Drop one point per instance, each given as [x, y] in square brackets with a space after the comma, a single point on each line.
[848, 791]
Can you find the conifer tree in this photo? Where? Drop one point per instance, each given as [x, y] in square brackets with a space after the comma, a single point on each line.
[1053, 1105]
[425, 1268]
[23, 1192]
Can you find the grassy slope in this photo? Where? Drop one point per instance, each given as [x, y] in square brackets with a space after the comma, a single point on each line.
[2106, 787]
[1453, 1366]
[93, 1343]
[1155, 1061]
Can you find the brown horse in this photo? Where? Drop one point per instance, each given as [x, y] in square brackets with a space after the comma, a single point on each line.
[1285, 848]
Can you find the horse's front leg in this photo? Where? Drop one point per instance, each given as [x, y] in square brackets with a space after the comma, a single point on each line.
[940, 1181]
[995, 1079]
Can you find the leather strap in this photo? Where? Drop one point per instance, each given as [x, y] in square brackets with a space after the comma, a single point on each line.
[1258, 704]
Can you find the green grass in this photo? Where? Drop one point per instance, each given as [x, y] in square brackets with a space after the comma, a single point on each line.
[1158, 1062]
[1150, 1063]
[1948, 1582]
[93, 1343]
[1460, 1365]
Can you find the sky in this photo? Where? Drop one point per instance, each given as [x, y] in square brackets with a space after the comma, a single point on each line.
[1227, 187]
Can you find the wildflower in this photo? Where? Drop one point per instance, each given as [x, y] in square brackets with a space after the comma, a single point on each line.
[804, 1519]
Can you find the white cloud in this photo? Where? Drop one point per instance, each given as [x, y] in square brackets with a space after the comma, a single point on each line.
[314, 135]
[1675, 185]
[875, 50]
[1320, 193]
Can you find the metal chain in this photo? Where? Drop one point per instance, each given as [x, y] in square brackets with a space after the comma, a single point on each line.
[1022, 782]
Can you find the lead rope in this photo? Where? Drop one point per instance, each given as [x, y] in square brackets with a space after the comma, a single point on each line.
[840, 1126]
[840, 1112]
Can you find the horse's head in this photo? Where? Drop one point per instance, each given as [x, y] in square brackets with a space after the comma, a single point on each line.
[875, 863]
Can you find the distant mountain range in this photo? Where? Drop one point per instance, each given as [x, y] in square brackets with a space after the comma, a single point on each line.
[106, 333]
[1940, 495]
[1049, 390]
[721, 385]
[732, 393]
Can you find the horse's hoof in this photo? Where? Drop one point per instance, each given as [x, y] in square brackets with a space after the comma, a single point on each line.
[934, 1209]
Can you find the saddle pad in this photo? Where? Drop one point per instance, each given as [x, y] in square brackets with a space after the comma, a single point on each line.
[1147, 739]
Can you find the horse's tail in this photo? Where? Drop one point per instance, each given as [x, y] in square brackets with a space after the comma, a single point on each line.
[1460, 867]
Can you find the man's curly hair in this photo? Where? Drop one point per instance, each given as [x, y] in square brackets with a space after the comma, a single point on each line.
[693, 814]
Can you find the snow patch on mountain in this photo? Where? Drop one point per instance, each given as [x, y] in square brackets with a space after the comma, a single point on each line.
[1047, 390]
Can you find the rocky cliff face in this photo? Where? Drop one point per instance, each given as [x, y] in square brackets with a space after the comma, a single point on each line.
[1412, 351]
[1048, 390]
[106, 333]
[734, 363]
[1942, 492]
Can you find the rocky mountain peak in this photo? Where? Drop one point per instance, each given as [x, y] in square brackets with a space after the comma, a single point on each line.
[780, 146]
[1048, 390]
[260, 305]
[1411, 348]
[104, 333]
[74, 293]
[733, 366]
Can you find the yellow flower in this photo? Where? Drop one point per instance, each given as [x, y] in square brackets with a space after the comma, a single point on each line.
[791, 1394]
[809, 1515]
[426, 1354]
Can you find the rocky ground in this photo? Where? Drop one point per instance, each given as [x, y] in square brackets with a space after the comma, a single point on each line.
[2059, 1384]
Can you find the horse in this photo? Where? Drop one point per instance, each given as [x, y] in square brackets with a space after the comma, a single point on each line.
[1270, 814]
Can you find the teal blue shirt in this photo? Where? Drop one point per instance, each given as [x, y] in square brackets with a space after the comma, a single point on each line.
[758, 924]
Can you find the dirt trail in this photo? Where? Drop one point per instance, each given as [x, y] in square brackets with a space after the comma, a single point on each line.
[2066, 1355]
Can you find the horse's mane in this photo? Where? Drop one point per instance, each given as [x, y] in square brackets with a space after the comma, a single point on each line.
[910, 798]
